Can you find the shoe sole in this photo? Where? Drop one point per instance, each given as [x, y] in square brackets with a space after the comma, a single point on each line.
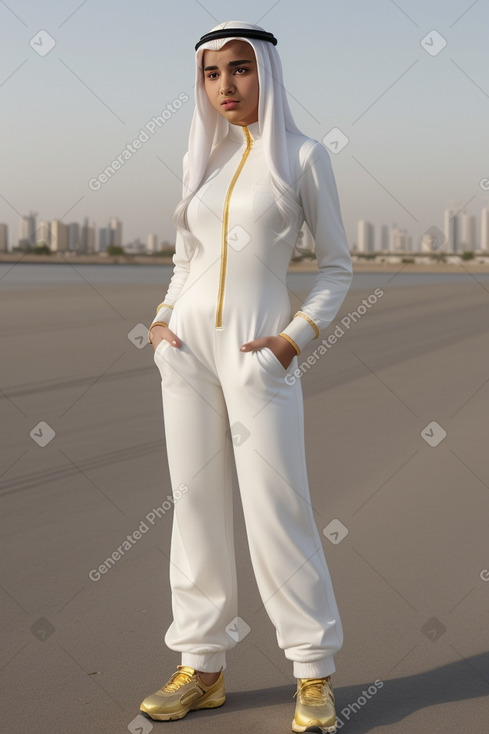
[314, 728]
[211, 703]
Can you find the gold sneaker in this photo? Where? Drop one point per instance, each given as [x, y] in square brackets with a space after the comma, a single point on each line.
[184, 692]
[314, 707]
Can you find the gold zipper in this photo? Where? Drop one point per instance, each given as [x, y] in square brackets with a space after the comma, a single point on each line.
[225, 224]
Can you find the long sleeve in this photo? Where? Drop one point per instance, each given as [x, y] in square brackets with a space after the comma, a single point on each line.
[180, 273]
[321, 207]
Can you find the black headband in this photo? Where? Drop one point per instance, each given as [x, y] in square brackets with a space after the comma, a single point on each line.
[242, 32]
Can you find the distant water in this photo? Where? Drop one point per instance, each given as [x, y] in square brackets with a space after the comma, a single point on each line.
[28, 275]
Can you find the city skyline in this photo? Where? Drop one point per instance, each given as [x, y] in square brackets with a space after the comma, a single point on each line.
[387, 86]
[460, 233]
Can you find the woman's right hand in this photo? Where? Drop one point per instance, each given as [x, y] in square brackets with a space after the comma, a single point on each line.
[160, 332]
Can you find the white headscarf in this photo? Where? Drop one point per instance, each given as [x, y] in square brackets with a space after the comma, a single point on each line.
[208, 127]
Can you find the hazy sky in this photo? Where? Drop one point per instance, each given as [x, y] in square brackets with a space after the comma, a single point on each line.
[417, 123]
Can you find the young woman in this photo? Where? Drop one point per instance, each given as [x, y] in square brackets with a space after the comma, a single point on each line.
[226, 347]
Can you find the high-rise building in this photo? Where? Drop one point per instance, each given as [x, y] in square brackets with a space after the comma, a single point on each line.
[365, 236]
[3, 237]
[43, 233]
[28, 228]
[384, 238]
[467, 231]
[87, 238]
[74, 237]
[103, 238]
[399, 240]
[59, 236]
[152, 243]
[485, 229]
[115, 226]
[452, 230]
[92, 238]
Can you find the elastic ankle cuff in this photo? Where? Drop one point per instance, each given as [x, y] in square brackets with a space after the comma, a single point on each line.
[207, 663]
[316, 669]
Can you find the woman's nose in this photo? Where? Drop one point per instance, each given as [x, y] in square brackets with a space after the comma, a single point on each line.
[227, 84]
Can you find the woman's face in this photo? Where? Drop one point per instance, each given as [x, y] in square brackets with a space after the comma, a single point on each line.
[232, 74]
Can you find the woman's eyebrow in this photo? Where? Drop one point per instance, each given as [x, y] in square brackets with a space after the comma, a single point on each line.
[231, 63]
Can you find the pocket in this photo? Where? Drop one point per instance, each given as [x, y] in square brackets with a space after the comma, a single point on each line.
[267, 359]
[163, 344]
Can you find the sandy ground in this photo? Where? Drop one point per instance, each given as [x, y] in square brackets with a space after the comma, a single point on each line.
[411, 574]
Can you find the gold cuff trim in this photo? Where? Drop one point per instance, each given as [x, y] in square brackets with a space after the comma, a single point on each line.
[309, 321]
[160, 323]
[167, 305]
[289, 339]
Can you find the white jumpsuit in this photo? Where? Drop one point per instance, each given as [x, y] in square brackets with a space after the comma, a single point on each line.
[220, 402]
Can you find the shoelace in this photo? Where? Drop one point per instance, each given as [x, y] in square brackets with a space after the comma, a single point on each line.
[313, 690]
[177, 680]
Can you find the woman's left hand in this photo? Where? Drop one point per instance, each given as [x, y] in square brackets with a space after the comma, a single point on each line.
[282, 348]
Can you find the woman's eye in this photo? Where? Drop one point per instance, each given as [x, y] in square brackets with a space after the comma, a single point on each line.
[213, 74]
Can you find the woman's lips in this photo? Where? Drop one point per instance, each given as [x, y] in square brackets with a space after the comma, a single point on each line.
[229, 105]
